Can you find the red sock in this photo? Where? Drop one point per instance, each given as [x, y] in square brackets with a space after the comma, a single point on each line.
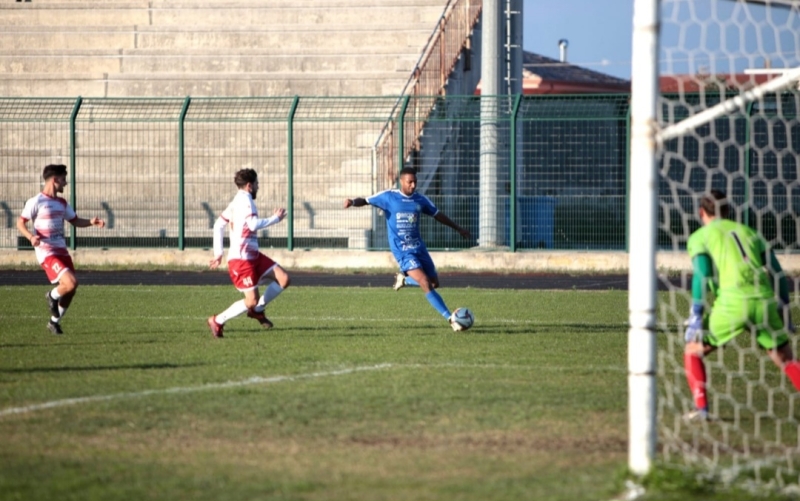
[792, 370]
[696, 377]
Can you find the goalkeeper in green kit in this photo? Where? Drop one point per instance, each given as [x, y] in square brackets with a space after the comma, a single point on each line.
[733, 260]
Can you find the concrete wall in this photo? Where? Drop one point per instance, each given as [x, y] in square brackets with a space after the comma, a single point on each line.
[497, 262]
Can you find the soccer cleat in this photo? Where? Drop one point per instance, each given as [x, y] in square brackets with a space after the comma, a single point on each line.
[53, 305]
[262, 319]
[399, 282]
[696, 416]
[216, 328]
[54, 327]
[455, 325]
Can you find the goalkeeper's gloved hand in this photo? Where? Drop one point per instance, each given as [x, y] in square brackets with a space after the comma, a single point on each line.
[786, 315]
[694, 326]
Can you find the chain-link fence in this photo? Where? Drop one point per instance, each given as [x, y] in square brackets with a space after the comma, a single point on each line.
[161, 170]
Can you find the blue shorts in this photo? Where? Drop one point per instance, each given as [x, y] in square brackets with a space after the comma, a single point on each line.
[417, 259]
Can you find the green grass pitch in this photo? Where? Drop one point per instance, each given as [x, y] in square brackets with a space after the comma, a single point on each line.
[356, 394]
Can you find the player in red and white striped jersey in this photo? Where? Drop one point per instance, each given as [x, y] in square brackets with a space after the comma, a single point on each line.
[48, 211]
[247, 266]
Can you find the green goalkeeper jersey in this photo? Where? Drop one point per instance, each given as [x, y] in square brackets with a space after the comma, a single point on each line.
[738, 254]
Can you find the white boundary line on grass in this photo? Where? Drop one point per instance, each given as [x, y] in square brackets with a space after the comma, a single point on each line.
[186, 389]
[432, 319]
[267, 380]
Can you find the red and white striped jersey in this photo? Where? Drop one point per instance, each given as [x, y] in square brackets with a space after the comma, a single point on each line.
[48, 215]
[241, 217]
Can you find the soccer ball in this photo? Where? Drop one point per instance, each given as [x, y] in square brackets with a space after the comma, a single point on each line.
[464, 318]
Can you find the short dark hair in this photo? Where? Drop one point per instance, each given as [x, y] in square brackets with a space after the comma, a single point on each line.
[407, 170]
[53, 170]
[245, 176]
[715, 204]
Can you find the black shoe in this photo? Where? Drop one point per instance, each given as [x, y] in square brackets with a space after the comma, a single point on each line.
[53, 305]
[54, 327]
[262, 319]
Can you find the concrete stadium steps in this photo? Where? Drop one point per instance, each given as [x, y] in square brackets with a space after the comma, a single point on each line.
[131, 210]
[283, 4]
[131, 214]
[163, 61]
[209, 140]
[310, 156]
[225, 3]
[60, 62]
[287, 37]
[255, 62]
[313, 181]
[215, 84]
[198, 61]
[209, 13]
[199, 84]
[241, 48]
[67, 37]
[84, 13]
[212, 47]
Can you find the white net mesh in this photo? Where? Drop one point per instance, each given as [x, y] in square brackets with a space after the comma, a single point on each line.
[724, 128]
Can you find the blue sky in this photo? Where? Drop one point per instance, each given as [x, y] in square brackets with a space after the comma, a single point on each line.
[727, 38]
[599, 32]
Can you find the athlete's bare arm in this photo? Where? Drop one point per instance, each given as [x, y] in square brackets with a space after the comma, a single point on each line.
[80, 222]
[442, 218]
[22, 226]
[355, 202]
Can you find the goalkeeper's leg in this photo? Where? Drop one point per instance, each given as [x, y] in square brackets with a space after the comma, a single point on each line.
[696, 374]
[778, 346]
[784, 358]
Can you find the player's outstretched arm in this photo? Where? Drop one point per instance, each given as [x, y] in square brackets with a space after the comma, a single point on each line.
[442, 218]
[355, 202]
[256, 224]
[80, 222]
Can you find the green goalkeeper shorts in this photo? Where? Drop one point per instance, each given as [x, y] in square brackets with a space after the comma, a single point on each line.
[733, 316]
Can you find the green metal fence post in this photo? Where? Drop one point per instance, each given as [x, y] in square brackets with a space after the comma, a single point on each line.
[73, 243]
[401, 131]
[512, 195]
[181, 173]
[290, 168]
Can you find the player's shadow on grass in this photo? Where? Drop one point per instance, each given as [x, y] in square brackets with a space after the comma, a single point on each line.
[144, 367]
[360, 331]
[519, 329]
[86, 339]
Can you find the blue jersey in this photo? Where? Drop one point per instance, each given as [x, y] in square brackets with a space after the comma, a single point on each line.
[402, 219]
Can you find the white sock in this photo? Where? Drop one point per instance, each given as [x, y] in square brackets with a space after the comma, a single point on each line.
[271, 293]
[54, 294]
[61, 312]
[233, 311]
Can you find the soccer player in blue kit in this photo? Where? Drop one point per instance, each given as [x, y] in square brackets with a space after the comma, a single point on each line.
[403, 209]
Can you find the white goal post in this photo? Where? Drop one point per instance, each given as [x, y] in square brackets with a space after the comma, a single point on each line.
[642, 250]
[704, 116]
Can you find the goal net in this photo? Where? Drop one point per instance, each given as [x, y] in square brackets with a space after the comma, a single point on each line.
[726, 115]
